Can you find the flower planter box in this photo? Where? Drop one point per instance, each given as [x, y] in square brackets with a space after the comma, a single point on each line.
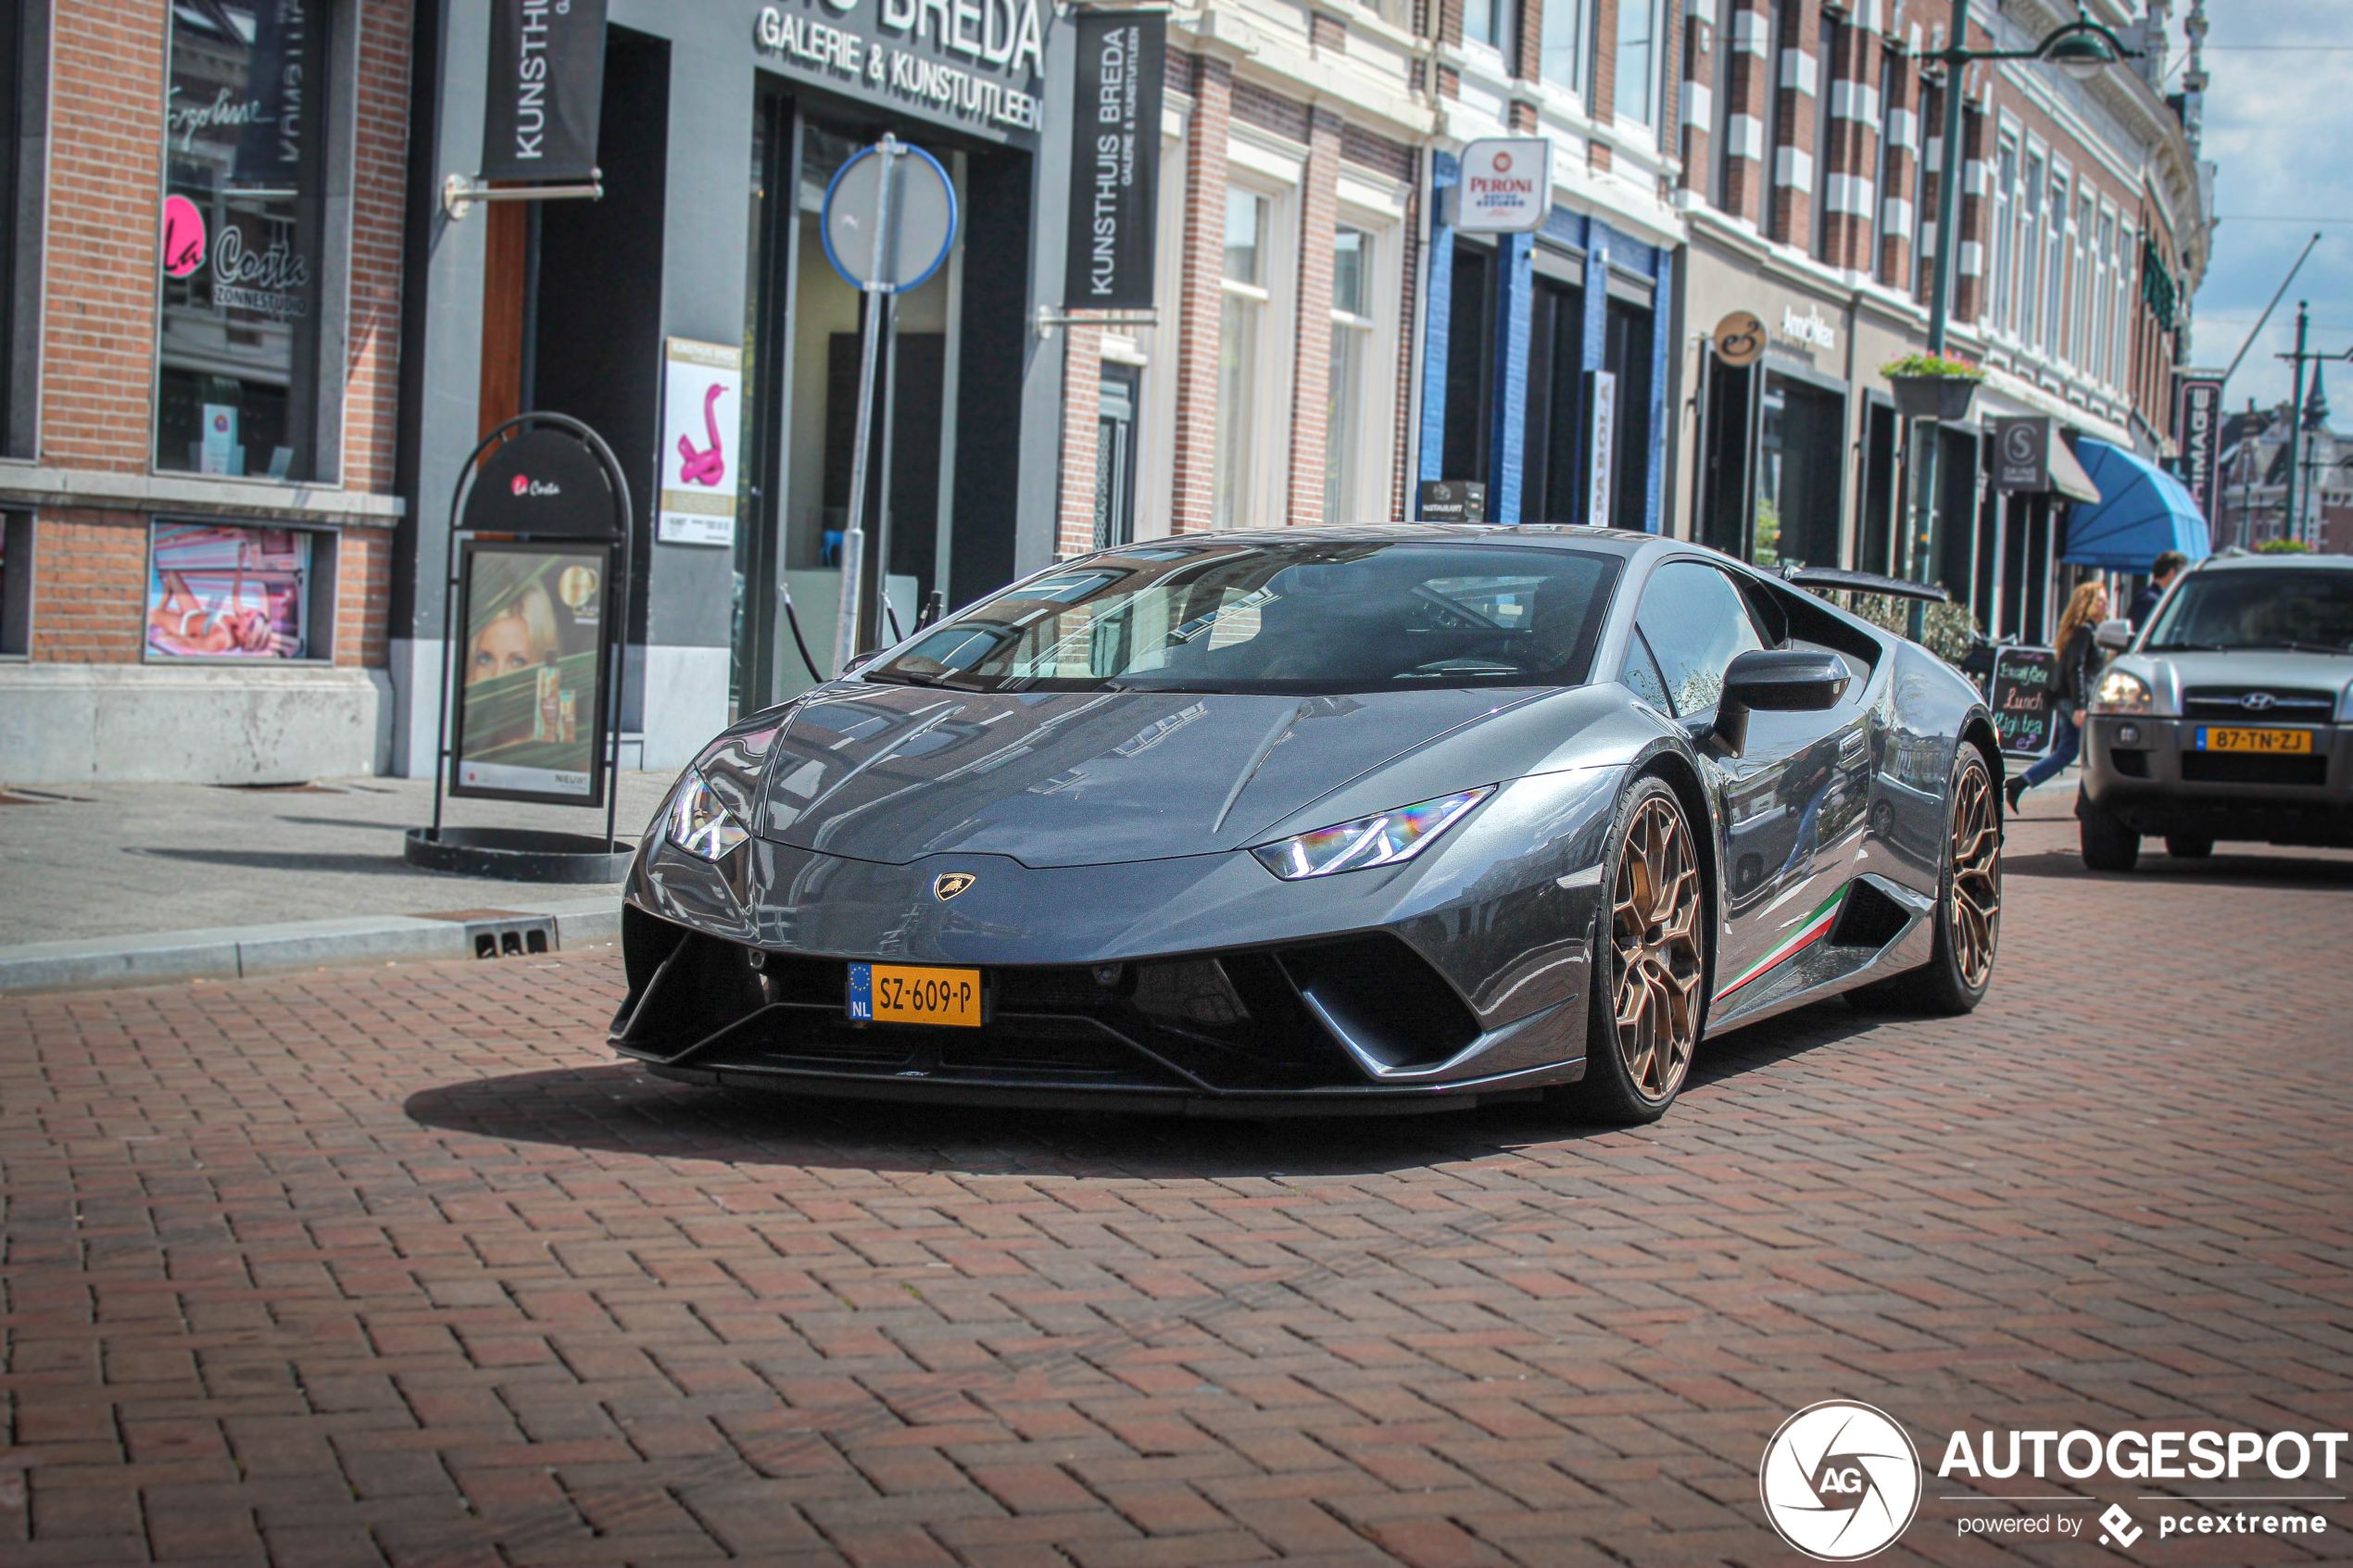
[1934, 397]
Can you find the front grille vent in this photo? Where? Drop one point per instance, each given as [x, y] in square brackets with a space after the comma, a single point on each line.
[2229, 702]
[2239, 767]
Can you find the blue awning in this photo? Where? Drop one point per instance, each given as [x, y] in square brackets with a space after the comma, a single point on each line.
[2142, 510]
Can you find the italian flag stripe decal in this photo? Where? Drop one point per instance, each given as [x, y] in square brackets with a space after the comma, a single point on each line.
[1811, 930]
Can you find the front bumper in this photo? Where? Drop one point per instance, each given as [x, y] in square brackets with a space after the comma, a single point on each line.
[2148, 773]
[1199, 984]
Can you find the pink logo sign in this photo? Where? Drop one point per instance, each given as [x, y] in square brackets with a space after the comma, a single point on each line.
[710, 465]
[1501, 164]
[520, 486]
[182, 236]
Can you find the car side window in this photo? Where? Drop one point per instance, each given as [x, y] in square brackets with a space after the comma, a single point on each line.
[1642, 674]
[1696, 624]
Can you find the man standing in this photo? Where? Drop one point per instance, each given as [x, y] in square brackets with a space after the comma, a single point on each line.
[2162, 571]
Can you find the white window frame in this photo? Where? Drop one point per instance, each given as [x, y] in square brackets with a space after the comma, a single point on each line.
[1266, 167]
[1156, 434]
[1379, 211]
[2059, 197]
[2006, 162]
[2026, 251]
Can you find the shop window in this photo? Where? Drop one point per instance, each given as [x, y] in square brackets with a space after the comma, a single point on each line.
[245, 143]
[227, 591]
[1470, 362]
[1564, 43]
[16, 584]
[1555, 369]
[1876, 551]
[1641, 31]
[1240, 329]
[1800, 458]
[1115, 457]
[1627, 356]
[24, 29]
[1352, 363]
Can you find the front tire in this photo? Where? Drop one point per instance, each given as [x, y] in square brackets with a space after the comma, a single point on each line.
[2108, 845]
[1968, 905]
[1650, 961]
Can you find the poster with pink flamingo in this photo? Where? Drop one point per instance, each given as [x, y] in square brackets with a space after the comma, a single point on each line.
[702, 430]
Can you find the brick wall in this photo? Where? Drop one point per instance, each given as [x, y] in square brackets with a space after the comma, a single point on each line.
[1082, 410]
[105, 146]
[88, 586]
[1748, 86]
[1797, 77]
[1194, 450]
[99, 325]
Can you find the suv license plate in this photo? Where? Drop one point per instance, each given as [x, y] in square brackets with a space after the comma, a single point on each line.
[2296, 742]
[885, 992]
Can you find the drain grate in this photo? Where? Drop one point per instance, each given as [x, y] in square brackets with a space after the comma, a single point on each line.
[503, 934]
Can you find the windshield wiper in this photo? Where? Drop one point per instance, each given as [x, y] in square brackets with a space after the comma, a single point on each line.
[2187, 648]
[2293, 645]
[913, 678]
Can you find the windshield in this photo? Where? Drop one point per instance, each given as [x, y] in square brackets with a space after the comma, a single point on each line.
[1322, 616]
[2313, 611]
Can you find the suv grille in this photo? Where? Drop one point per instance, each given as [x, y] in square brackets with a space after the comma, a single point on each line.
[2289, 706]
[2239, 767]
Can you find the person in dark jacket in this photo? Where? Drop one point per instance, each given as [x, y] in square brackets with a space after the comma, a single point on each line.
[2162, 571]
[2078, 669]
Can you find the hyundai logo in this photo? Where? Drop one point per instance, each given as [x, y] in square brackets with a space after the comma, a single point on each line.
[2258, 702]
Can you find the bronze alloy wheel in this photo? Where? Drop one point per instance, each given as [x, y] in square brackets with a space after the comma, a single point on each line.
[1655, 930]
[1977, 877]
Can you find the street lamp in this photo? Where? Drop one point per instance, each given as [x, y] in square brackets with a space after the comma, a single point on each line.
[2082, 49]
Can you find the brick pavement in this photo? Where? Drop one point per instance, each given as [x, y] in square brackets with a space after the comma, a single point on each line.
[399, 1267]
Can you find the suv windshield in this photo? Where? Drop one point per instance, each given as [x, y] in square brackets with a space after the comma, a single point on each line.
[1320, 616]
[2309, 610]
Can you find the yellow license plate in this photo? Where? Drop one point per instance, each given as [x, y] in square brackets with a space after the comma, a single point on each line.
[888, 993]
[2299, 742]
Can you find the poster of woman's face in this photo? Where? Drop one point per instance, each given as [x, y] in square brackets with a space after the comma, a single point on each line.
[220, 590]
[530, 702]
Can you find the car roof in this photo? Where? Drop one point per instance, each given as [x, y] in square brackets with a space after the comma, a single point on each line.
[1557, 535]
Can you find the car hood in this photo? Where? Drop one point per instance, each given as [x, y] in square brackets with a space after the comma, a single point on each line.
[891, 773]
[2279, 670]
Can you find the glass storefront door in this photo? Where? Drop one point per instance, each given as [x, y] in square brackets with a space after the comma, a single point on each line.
[802, 341]
[1801, 444]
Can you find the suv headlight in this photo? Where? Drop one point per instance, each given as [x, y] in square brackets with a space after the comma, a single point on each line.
[1383, 840]
[699, 824]
[2120, 692]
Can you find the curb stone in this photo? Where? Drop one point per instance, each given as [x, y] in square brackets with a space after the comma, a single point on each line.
[236, 952]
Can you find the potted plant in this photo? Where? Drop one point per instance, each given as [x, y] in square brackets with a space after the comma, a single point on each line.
[1933, 386]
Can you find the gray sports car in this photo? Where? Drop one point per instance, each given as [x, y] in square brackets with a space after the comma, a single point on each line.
[1322, 819]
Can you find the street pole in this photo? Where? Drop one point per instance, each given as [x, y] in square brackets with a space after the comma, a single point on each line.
[853, 536]
[2291, 526]
[1928, 441]
[2247, 477]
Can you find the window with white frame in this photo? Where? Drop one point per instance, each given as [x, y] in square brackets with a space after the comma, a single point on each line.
[2055, 267]
[1240, 333]
[2029, 295]
[2120, 347]
[2104, 296]
[2087, 226]
[1564, 43]
[1345, 428]
[1642, 37]
[1490, 22]
[2005, 169]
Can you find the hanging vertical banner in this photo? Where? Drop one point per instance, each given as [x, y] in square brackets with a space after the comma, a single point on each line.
[547, 88]
[1115, 160]
[2198, 427]
[1601, 448]
[703, 412]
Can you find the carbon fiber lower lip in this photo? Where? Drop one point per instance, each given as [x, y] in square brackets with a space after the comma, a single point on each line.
[1370, 1101]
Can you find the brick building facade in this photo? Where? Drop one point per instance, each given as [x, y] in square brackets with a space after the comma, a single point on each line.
[202, 355]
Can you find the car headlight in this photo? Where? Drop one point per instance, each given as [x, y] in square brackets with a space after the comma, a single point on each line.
[1383, 840]
[699, 824]
[2120, 692]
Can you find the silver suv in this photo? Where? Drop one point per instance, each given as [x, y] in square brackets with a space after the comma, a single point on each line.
[2229, 716]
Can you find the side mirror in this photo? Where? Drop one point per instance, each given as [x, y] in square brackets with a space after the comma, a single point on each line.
[2115, 634]
[859, 660]
[1776, 681]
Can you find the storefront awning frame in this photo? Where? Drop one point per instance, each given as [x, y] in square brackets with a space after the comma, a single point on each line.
[2143, 511]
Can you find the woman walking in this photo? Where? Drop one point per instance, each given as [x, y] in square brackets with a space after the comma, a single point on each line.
[2079, 663]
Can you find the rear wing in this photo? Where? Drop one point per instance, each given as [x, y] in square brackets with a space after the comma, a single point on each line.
[1863, 582]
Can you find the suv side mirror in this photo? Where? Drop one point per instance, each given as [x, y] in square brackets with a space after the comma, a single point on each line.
[2115, 634]
[1776, 681]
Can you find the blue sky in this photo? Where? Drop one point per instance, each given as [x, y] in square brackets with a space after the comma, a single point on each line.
[2279, 124]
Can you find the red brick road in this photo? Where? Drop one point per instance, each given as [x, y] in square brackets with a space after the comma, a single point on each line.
[397, 1266]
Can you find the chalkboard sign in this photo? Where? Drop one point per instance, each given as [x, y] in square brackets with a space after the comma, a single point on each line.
[2021, 699]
